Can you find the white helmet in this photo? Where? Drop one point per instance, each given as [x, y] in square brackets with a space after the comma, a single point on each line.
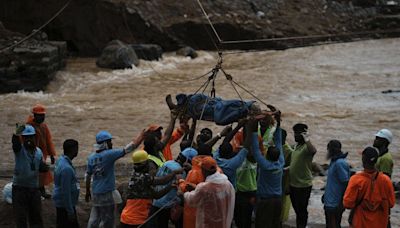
[386, 134]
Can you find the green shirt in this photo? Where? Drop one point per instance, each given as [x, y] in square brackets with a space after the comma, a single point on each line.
[246, 177]
[385, 163]
[300, 167]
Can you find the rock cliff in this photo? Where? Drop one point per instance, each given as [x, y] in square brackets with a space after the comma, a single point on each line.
[88, 25]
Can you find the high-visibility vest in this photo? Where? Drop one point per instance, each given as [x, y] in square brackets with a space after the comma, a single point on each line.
[159, 162]
[267, 137]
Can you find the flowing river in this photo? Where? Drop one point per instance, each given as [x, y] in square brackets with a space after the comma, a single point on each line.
[336, 89]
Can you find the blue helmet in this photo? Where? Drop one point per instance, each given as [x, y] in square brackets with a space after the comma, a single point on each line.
[103, 136]
[28, 130]
[189, 153]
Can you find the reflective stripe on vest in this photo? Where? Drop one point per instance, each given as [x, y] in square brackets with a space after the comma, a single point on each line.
[159, 162]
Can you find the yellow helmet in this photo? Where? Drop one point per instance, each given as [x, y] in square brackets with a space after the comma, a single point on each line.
[139, 156]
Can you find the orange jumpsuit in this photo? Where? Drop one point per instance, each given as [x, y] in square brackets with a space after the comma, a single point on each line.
[45, 143]
[373, 211]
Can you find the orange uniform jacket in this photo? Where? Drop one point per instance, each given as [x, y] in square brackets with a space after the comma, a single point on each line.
[45, 143]
[373, 211]
[237, 142]
[136, 211]
[176, 135]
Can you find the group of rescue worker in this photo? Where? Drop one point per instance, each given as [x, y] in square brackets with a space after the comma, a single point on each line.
[252, 173]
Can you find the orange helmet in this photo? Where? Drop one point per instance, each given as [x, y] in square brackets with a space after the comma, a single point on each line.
[154, 127]
[38, 109]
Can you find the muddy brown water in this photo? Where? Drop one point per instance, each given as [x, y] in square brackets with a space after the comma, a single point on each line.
[336, 89]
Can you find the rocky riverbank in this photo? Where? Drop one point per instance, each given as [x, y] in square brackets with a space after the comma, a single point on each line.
[88, 25]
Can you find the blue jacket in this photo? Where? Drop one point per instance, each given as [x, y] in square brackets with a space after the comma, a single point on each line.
[167, 200]
[101, 165]
[66, 186]
[229, 166]
[269, 181]
[24, 176]
[336, 183]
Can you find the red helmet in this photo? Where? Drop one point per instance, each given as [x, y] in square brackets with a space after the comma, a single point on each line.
[38, 109]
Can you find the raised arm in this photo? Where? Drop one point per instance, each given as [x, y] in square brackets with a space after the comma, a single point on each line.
[162, 192]
[278, 144]
[247, 134]
[165, 179]
[237, 161]
[16, 143]
[215, 139]
[192, 130]
[135, 143]
[261, 161]
[232, 133]
[278, 136]
[310, 147]
[170, 129]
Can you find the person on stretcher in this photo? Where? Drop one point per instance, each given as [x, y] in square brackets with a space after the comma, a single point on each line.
[216, 109]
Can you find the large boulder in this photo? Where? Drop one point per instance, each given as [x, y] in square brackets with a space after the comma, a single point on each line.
[148, 51]
[188, 52]
[117, 55]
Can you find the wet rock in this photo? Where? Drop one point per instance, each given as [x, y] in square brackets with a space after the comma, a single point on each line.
[187, 51]
[40, 35]
[117, 55]
[31, 65]
[148, 51]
